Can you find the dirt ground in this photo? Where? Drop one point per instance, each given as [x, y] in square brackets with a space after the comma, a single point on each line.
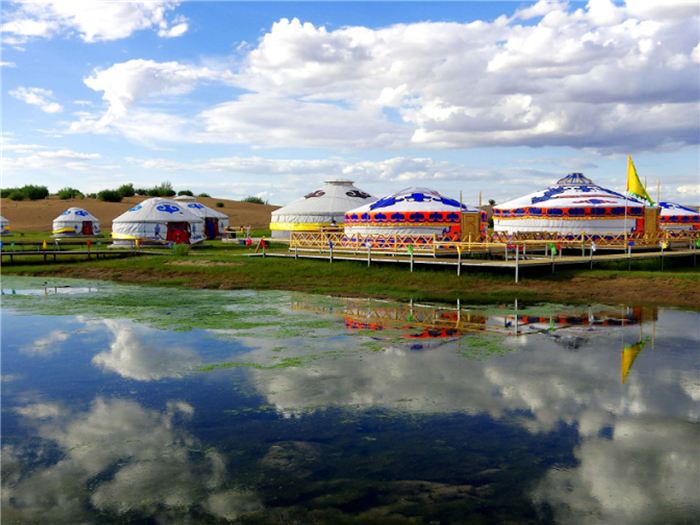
[39, 215]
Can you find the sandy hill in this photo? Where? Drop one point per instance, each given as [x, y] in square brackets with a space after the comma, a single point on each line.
[39, 215]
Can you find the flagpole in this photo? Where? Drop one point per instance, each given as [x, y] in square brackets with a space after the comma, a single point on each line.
[629, 159]
[658, 191]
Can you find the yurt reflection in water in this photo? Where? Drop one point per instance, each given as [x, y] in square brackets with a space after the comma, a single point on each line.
[76, 222]
[322, 208]
[574, 205]
[158, 220]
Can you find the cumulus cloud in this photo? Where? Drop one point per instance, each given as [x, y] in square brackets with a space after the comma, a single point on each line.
[8, 64]
[37, 97]
[605, 77]
[92, 20]
[56, 160]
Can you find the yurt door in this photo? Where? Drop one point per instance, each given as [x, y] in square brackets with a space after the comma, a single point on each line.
[87, 227]
[651, 220]
[470, 227]
[211, 228]
[177, 232]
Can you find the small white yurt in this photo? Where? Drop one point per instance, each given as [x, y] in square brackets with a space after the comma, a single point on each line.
[574, 205]
[214, 222]
[4, 226]
[158, 219]
[76, 222]
[319, 208]
[413, 211]
[677, 217]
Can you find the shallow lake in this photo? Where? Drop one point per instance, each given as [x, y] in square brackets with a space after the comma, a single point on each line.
[127, 404]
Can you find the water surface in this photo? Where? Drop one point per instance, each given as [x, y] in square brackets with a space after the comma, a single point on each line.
[124, 404]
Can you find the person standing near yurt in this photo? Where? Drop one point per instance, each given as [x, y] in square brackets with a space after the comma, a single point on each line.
[574, 205]
[677, 217]
[214, 222]
[4, 226]
[318, 209]
[76, 222]
[413, 211]
[158, 219]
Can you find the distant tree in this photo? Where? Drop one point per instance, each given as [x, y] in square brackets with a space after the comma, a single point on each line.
[110, 196]
[254, 200]
[34, 193]
[219, 204]
[69, 193]
[91, 195]
[204, 195]
[16, 195]
[127, 190]
[186, 192]
[141, 191]
[164, 189]
[5, 192]
[492, 202]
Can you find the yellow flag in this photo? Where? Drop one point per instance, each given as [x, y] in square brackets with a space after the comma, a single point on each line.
[634, 185]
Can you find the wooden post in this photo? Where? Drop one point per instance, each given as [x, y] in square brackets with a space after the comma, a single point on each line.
[662, 255]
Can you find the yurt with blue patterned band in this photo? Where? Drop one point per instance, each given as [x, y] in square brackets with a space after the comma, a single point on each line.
[4, 226]
[158, 220]
[318, 209]
[214, 222]
[677, 217]
[413, 211]
[76, 222]
[573, 205]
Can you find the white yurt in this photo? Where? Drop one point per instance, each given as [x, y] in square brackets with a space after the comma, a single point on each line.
[413, 211]
[677, 217]
[319, 208]
[158, 219]
[573, 205]
[76, 222]
[214, 221]
[4, 226]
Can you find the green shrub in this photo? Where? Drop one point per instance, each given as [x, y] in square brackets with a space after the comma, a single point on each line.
[255, 200]
[91, 195]
[141, 191]
[16, 195]
[219, 204]
[186, 192]
[203, 195]
[165, 189]
[69, 193]
[181, 249]
[110, 196]
[127, 190]
[6, 192]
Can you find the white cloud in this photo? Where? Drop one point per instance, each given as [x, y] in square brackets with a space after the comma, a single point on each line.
[93, 20]
[37, 97]
[8, 64]
[54, 160]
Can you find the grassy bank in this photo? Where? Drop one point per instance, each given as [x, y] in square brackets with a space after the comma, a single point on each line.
[228, 267]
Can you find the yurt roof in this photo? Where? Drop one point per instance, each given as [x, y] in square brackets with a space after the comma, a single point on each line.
[185, 198]
[158, 209]
[199, 209]
[413, 199]
[76, 214]
[671, 208]
[574, 190]
[3, 220]
[335, 198]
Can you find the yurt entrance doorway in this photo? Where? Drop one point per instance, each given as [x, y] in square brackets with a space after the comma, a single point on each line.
[177, 232]
[87, 228]
[211, 228]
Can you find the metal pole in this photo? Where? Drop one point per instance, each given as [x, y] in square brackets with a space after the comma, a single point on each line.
[552, 252]
[517, 269]
[330, 253]
[591, 255]
[369, 254]
[629, 258]
[459, 262]
[411, 261]
[662, 256]
[296, 254]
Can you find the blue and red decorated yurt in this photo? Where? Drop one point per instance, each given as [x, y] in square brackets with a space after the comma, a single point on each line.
[413, 211]
[677, 217]
[574, 205]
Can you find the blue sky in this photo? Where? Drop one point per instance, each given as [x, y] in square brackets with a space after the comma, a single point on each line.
[270, 99]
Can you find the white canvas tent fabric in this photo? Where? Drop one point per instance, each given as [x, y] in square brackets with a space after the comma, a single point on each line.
[76, 222]
[419, 211]
[214, 221]
[159, 219]
[677, 217]
[318, 208]
[573, 205]
[4, 226]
